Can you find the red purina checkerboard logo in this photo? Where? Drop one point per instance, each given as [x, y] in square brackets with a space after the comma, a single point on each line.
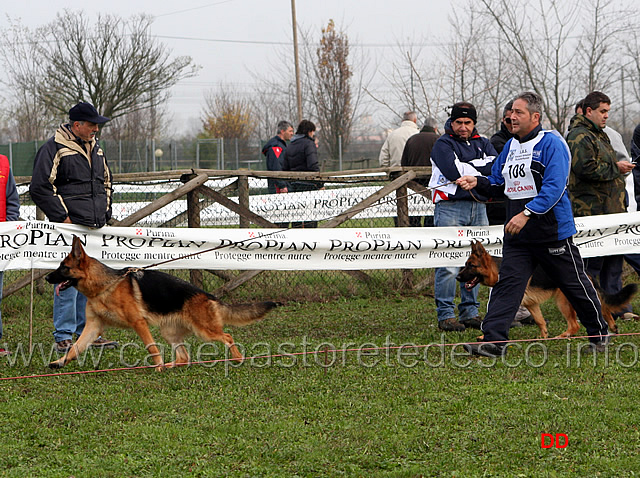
[460, 233]
[547, 440]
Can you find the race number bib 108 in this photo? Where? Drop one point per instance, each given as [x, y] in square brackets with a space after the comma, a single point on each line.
[518, 180]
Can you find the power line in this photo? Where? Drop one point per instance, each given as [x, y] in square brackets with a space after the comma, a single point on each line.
[191, 9]
[288, 43]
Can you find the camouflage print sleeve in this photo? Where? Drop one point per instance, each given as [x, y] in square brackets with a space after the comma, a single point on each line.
[588, 162]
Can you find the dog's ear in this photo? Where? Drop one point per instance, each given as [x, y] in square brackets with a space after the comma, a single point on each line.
[477, 248]
[76, 248]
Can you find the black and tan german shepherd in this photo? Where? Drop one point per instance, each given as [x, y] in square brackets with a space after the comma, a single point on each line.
[136, 299]
[482, 268]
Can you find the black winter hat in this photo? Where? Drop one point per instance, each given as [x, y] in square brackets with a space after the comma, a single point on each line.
[464, 110]
[86, 112]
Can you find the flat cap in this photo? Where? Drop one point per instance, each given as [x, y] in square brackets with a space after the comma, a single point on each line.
[86, 112]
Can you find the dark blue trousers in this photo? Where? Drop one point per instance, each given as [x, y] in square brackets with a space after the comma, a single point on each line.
[560, 260]
[607, 270]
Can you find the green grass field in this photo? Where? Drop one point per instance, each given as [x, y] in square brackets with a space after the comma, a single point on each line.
[427, 411]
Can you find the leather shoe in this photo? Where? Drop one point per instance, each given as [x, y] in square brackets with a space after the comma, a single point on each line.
[486, 349]
[451, 325]
[473, 323]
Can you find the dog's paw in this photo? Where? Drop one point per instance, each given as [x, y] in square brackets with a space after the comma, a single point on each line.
[161, 368]
[56, 365]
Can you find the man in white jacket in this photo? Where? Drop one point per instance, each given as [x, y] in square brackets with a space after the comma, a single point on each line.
[391, 152]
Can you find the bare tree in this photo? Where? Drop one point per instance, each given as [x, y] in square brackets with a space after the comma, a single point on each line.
[271, 103]
[139, 124]
[22, 75]
[113, 63]
[477, 72]
[631, 70]
[605, 25]
[416, 84]
[539, 38]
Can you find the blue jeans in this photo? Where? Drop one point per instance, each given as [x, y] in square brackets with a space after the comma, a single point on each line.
[456, 213]
[69, 309]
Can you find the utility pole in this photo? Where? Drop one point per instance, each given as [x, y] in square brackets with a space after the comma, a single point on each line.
[296, 61]
[624, 113]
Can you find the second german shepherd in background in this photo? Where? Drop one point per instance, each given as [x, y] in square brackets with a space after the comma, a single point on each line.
[482, 268]
[136, 299]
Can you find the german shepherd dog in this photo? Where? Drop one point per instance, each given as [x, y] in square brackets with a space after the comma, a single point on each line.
[482, 268]
[136, 299]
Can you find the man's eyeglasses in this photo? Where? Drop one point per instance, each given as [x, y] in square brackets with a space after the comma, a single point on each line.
[507, 120]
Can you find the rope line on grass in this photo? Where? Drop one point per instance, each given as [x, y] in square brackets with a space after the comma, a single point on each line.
[315, 352]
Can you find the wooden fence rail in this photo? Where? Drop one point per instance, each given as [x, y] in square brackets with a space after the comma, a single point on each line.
[197, 193]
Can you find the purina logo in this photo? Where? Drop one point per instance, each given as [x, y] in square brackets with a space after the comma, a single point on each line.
[460, 233]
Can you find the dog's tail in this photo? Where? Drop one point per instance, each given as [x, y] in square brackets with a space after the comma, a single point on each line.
[618, 301]
[245, 314]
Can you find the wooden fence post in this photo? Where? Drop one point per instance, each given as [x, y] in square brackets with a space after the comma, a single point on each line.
[243, 198]
[193, 221]
[402, 205]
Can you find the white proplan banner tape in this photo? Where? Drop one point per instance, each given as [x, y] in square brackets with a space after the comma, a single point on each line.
[42, 245]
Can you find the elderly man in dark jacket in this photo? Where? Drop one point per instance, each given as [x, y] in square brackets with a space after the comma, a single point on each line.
[461, 151]
[71, 183]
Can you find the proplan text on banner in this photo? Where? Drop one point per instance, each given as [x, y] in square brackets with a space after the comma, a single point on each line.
[42, 245]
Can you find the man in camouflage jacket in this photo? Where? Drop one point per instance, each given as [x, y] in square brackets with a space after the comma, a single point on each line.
[596, 180]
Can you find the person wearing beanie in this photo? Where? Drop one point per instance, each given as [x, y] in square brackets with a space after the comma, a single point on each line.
[71, 183]
[460, 151]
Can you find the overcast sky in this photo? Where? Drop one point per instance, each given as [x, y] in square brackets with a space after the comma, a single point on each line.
[230, 38]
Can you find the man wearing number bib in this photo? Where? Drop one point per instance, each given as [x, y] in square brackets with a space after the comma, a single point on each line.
[533, 172]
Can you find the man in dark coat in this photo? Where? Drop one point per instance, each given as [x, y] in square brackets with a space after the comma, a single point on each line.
[302, 155]
[417, 152]
[499, 139]
[273, 151]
